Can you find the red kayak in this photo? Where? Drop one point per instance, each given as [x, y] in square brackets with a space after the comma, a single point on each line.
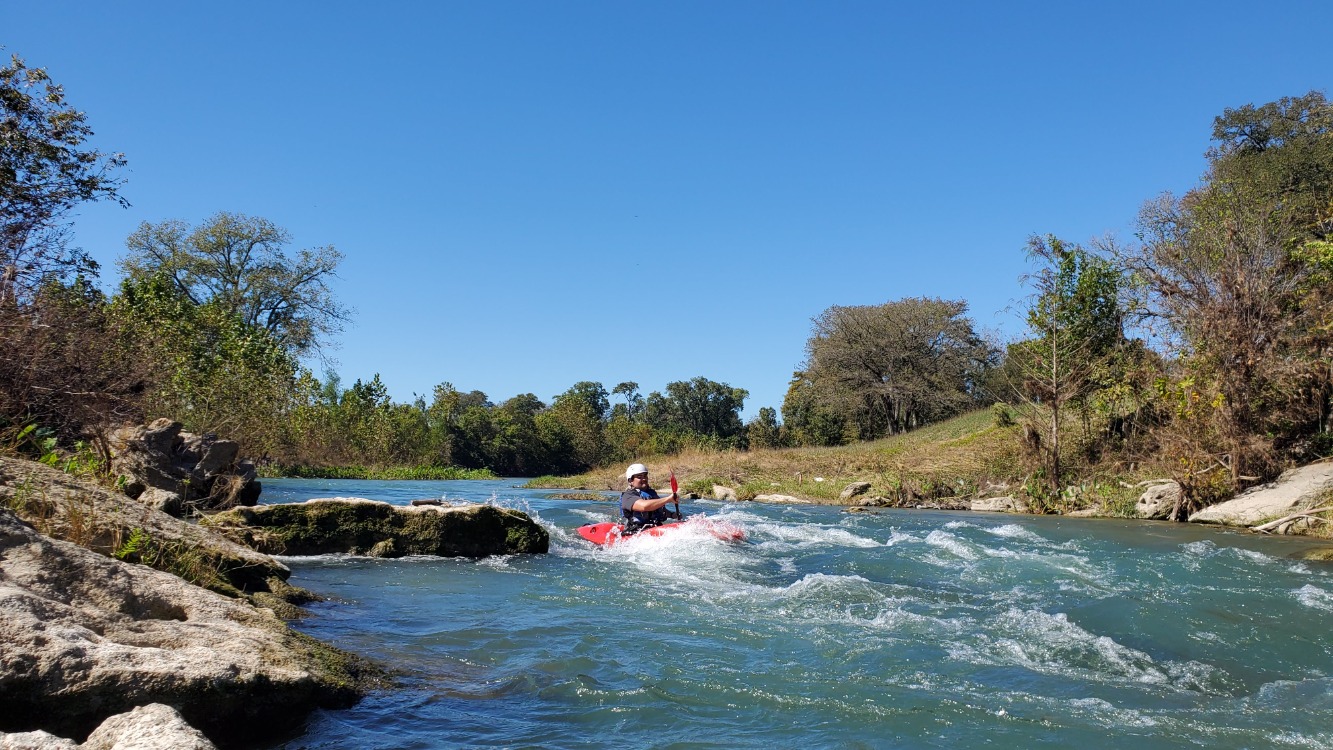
[610, 533]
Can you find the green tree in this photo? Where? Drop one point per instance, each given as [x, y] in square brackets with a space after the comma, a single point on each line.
[893, 367]
[215, 373]
[1230, 274]
[699, 407]
[809, 416]
[575, 423]
[1075, 322]
[764, 431]
[46, 169]
[239, 264]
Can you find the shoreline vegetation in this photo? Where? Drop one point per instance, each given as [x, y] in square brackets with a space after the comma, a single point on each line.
[939, 465]
[388, 473]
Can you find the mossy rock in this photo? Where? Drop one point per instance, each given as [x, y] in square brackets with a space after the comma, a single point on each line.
[371, 528]
[1324, 554]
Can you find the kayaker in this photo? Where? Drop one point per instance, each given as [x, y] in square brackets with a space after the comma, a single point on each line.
[640, 505]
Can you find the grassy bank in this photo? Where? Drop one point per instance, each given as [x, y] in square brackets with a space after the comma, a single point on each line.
[362, 472]
[940, 465]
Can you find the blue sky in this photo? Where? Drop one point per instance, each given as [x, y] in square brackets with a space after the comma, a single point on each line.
[531, 194]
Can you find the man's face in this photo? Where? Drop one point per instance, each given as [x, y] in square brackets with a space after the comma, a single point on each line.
[639, 480]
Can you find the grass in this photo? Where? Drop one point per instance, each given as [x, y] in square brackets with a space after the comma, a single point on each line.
[954, 458]
[389, 473]
[940, 465]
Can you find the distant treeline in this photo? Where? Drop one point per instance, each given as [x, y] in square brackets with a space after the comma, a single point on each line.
[1203, 348]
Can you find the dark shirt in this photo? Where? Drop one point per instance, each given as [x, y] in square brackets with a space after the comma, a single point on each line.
[641, 517]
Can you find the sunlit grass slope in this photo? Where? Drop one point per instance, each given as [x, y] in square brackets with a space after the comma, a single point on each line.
[951, 459]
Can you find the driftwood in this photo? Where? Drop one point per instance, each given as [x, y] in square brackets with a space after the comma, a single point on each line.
[1310, 514]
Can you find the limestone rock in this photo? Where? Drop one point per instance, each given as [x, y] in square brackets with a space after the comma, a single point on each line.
[202, 470]
[37, 740]
[782, 499]
[151, 727]
[106, 522]
[366, 527]
[1004, 504]
[724, 493]
[1158, 501]
[85, 637]
[1296, 490]
[854, 489]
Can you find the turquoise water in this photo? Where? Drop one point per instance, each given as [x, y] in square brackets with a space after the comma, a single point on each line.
[826, 629]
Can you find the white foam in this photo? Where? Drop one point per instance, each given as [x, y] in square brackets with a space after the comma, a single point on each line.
[1314, 597]
[1052, 644]
[812, 535]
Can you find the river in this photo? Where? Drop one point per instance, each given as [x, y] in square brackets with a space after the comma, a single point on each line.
[828, 629]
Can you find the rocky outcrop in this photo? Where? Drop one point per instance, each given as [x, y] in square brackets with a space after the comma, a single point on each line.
[781, 499]
[174, 471]
[112, 524]
[359, 526]
[1296, 490]
[84, 638]
[152, 727]
[998, 505]
[724, 493]
[1158, 501]
[853, 490]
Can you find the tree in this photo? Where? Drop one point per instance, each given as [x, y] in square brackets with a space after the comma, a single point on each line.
[66, 367]
[893, 367]
[214, 372]
[699, 407]
[1075, 322]
[633, 399]
[810, 418]
[764, 431]
[575, 424]
[1231, 273]
[238, 263]
[46, 169]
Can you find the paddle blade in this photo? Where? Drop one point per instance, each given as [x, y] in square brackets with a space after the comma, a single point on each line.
[674, 486]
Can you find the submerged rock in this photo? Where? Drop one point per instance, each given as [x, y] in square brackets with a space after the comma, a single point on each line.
[367, 527]
[84, 638]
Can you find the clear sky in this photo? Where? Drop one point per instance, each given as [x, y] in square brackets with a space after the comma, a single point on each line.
[534, 193]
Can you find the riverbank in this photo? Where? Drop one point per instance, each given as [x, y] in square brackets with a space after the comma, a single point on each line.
[965, 463]
[117, 614]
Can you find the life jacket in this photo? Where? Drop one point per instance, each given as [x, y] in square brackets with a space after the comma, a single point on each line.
[638, 519]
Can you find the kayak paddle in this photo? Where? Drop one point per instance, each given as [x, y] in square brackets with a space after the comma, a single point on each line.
[674, 491]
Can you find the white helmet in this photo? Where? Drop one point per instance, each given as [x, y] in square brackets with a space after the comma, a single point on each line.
[635, 469]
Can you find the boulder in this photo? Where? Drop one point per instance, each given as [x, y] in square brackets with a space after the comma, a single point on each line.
[151, 727]
[782, 499]
[1158, 501]
[854, 489]
[1004, 504]
[85, 638]
[112, 524]
[202, 470]
[1295, 490]
[724, 493]
[872, 501]
[358, 526]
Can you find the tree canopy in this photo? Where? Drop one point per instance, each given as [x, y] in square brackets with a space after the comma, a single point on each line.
[46, 169]
[239, 263]
[891, 367]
